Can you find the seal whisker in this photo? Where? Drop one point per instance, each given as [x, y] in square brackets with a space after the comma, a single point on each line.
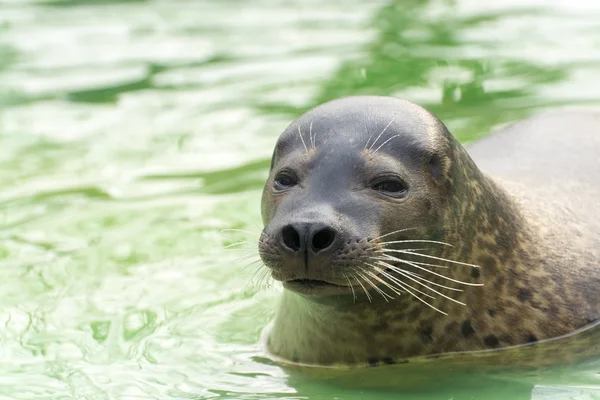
[237, 230]
[264, 281]
[389, 257]
[392, 233]
[397, 290]
[419, 277]
[252, 249]
[373, 248]
[244, 258]
[436, 274]
[411, 251]
[416, 241]
[428, 256]
[386, 284]
[249, 256]
[301, 138]
[401, 272]
[350, 285]
[237, 244]
[251, 282]
[367, 132]
[384, 143]
[313, 139]
[261, 272]
[257, 268]
[382, 132]
[378, 290]
[408, 288]
[398, 281]
[362, 286]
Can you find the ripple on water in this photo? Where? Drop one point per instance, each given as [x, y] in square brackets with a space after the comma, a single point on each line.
[133, 132]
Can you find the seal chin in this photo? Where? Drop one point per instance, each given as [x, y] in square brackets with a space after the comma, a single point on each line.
[311, 287]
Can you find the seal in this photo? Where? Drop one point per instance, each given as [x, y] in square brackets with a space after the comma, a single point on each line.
[392, 241]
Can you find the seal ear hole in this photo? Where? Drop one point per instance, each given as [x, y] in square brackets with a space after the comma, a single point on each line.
[435, 167]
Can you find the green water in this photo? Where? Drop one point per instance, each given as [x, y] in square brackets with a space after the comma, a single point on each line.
[132, 133]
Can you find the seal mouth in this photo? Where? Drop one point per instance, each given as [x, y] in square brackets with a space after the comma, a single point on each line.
[314, 287]
[309, 282]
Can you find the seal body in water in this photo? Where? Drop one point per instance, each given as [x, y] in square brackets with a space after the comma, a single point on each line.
[392, 241]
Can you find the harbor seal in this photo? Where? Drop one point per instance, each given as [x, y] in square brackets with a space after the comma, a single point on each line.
[392, 241]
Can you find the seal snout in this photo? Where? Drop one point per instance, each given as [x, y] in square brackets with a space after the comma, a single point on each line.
[313, 236]
[302, 254]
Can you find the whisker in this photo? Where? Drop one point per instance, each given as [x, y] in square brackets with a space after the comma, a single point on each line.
[260, 272]
[363, 288]
[367, 133]
[416, 241]
[250, 262]
[382, 132]
[350, 285]
[237, 230]
[253, 249]
[392, 233]
[379, 248]
[301, 138]
[313, 139]
[388, 258]
[407, 289]
[393, 289]
[237, 244]
[399, 282]
[268, 281]
[383, 144]
[419, 277]
[428, 256]
[408, 250]
[245, 258]
[257, 278]
[401, 272]
[436, 274]
[378, 290]
[264, 280]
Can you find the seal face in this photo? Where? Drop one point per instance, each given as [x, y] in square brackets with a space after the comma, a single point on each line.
[391, 243]
[330, 192]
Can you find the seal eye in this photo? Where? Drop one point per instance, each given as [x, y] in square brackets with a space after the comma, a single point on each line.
[391, 187]
[284, 181]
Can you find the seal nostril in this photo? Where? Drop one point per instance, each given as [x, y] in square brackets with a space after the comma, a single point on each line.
[291, 238]
[323, 239]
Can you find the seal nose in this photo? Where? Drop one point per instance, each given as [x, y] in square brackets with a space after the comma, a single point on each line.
[291, 238]
[297, 237]
[322, 239]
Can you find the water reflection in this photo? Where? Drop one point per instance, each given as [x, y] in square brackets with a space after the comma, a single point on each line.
[522, 372]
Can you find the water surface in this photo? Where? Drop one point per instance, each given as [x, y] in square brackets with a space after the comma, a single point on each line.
[133, 132]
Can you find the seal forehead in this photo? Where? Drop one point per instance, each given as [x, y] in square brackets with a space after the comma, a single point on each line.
[363, 122]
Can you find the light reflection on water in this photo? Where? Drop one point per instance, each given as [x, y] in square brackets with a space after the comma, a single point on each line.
[132, 133]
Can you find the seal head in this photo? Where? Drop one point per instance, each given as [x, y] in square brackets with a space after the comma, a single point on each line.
[337, 175]
[391, 243]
